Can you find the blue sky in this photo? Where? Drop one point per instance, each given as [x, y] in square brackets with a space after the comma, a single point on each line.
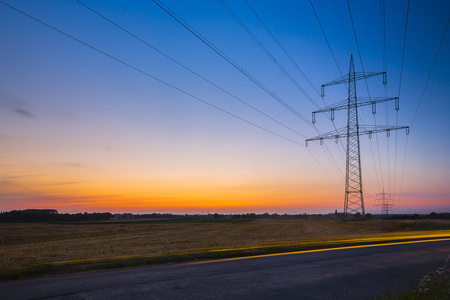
[80, 128]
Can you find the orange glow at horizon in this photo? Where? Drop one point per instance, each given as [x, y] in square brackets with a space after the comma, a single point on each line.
[187, 195]
[78, 189]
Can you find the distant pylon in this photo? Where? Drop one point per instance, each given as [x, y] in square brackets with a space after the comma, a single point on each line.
[385, 201]
[354, 198]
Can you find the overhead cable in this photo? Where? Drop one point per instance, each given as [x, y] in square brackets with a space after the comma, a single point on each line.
[280, 45]
[326, 39]
[265, 50]
[431, 70]
[367, 87]
[188, 69]
[149, 75]
[399, 90]
[230, 61]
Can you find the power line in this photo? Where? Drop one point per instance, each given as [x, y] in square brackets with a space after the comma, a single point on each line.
[241, 23]
[280, 45]
[367, 87]
[268, 53]
[325, 36]
[335, 61]
[403, 51]
[399, 90]
[404, 164]
[290, 58]
[354, 200]
[342, 24]
[421, 97]
[429, 75]
[188, 69]
[384, 55]
[149, 75]
[383, 33]
[312, 154]
[230, 61]
[258, 42]
[357, 46]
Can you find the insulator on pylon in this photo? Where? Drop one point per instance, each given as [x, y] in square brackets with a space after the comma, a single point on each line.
[336, 138]
[354, 201]
[306, 143]
[313, 117]
[388, 132]
[397, 105]
[322, 91]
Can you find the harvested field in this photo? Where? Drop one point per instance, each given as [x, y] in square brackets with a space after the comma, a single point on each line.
[25, 245]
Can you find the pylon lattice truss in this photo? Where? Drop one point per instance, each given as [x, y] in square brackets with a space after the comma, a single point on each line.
[354, 199]
[385, 202]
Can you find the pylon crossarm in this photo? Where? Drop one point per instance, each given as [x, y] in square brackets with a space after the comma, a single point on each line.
[337, 106]
[369, 130]
[347, 77]
[330, 135]
[363, 130]
[361, 101]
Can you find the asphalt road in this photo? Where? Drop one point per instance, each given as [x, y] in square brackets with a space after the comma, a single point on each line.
[345, 273]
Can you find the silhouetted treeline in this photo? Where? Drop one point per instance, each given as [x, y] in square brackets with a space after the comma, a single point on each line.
[431, 216]
[49, 215]
[52, 215]
[266, 216]
[214, 216]
[146, 216]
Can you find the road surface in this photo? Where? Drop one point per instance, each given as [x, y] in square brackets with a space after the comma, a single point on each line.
[346, 273]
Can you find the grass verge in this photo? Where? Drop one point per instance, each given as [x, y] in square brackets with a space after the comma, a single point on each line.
[434, 286]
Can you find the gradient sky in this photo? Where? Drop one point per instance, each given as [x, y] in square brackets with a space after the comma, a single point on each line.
[81, 131]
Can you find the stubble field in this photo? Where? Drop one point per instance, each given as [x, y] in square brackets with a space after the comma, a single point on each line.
[35, 245]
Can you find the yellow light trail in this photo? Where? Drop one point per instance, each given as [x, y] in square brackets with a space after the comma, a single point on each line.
[423, 239]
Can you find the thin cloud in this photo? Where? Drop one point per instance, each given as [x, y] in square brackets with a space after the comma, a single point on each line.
[23, 112]
[75, 165]
[17, 106]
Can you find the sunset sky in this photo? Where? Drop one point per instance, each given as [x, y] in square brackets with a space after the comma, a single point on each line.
[94, 119]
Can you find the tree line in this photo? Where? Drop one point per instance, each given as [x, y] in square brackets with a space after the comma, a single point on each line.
[49, 215]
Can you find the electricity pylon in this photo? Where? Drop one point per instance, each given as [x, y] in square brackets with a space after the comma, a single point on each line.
[385, 202]
[354, 199]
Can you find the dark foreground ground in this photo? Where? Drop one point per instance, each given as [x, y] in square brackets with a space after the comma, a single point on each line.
[345, 273]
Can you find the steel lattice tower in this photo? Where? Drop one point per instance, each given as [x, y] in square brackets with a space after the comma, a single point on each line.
[354, 198]
[385, 202]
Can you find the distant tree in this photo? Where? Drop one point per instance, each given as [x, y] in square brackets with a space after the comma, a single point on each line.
[433, 215]
[357, 215]
[50, 216]
[368, 216]
[444, 216]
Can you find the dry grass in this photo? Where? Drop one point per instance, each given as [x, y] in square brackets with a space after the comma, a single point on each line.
[25, 245]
